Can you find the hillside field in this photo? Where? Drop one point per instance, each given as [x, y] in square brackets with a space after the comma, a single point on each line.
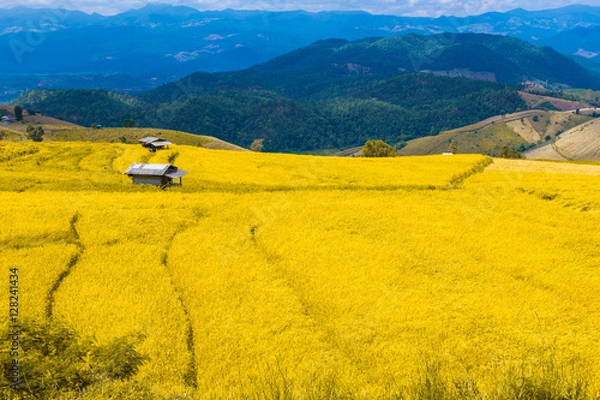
[520, 130]
[579, 143]
[61, 131]
[272, 276]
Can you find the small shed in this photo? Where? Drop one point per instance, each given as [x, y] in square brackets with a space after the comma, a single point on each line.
[155, 174]
[153, 143]
[160, 144]
[145, 141]
[8, 119]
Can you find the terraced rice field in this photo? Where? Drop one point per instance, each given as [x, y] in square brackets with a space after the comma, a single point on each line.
[281, 276]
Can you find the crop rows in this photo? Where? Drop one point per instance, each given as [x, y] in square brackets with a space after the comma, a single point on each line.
[367, 289]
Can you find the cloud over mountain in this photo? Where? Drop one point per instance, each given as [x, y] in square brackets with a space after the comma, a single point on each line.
[395, 7]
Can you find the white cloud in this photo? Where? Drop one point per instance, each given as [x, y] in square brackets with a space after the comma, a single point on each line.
[398, 7]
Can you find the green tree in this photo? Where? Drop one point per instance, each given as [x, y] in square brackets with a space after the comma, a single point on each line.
[19, 113]
[129, 123]
[507, 152]
[453, 147]
[257, 145]
[35, 133]
[377, 148]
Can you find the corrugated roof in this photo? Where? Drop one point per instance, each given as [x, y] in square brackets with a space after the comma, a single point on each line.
[161, 143]
[147, 169]
[148, 139]
[177, 174]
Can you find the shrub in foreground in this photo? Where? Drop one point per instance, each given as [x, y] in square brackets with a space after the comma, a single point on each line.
[47, 358]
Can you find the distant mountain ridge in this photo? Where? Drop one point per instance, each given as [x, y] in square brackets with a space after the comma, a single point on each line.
[312, 70]
[336, 94]
[141, 49]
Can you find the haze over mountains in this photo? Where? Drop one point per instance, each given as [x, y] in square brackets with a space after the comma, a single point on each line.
[141, 49]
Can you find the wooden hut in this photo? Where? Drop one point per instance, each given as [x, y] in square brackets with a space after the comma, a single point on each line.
[145, 141]
[155, 174]
[153, 143]
[8, 119]
[160, 144]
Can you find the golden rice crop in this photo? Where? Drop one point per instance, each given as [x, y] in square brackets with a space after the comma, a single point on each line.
[122, 276]
[37, 269]
[77, 166]
[270, 276]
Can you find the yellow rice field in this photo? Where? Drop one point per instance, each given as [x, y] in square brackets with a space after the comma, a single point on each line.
[282, 276]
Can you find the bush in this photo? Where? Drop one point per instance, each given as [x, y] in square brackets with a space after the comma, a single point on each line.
[172, 157]
[129, 123]
[377, 148]
[453, 147]
[54, 359]
[257, 145]
[507, 152]
[129, 390]
[35, 133]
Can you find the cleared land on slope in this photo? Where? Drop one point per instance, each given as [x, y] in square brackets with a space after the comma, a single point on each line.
[579, 143]
[518, 130]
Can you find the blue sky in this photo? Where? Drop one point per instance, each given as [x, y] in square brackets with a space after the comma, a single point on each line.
[396, 7]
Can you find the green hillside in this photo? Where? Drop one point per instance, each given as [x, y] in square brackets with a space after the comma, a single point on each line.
[316, 69]
[395, 109]
[335, 94]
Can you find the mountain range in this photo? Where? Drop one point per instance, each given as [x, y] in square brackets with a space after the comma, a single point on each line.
[142, 49]
[335, 93]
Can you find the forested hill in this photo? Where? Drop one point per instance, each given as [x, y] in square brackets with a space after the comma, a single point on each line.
[335, 93]
[316, 69]
[397, 109]
[170, 42]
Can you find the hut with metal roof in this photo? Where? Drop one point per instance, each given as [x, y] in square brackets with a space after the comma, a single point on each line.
[159, 144]
[153, 143]
[8, 119]
[155, 174]
[147, 140]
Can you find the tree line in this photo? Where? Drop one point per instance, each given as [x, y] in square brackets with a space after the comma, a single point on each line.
[345, 114]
